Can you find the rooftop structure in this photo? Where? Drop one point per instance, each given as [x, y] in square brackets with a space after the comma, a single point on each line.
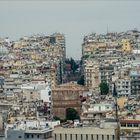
[29, 130]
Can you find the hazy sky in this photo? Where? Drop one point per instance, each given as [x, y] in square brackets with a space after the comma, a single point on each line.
[74, 18]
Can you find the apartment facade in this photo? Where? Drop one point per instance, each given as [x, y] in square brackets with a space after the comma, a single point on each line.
[135, 82]
[87, 133]
[91, 74]
[123, 86]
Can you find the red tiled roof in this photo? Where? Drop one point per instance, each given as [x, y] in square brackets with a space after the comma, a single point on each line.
[129, 121]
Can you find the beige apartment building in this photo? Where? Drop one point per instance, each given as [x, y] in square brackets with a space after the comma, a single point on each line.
[94, 47]
[60, 39]
[88, 48]
[91, 74]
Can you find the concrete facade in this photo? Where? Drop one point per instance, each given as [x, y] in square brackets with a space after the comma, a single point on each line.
[123, 86]
[88, 133]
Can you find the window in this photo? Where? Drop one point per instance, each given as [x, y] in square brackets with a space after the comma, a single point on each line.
[118, 86]
[49, 92]
[86, 137]
[38, 136]
[136, 125]
[92, 137]
[55, 136]
[107, 137]
[20, 137]
[27, 135]
[102, 137]
[65, 136]
[107, 107]
[32, 136]
[70, 137]
[129, 125]
[123, 124]
[60, 136]
[81, 137]
[76, 136]
[113, 137]
[97, 137]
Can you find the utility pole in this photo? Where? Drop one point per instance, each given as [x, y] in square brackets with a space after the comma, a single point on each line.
[116, 113]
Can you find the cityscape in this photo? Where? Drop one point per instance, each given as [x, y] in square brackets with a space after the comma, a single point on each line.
[69, 70]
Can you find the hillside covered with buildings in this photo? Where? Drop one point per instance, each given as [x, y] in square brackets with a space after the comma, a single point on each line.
[38, 82]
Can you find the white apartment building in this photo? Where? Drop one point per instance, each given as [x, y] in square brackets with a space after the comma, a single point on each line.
[102, 107]
[123, 86]
[37, 91]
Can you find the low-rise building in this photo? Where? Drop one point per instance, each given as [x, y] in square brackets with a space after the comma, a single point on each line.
[85, 133]
[29, 130]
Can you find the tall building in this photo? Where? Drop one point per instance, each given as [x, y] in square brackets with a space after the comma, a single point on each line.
[91, 74]
[135, 82]
[123, 86]
[106, 72]
[126, 46]
[59, 38]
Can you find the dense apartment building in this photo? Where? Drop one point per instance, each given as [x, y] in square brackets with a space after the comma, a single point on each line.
[106, 72]
[113, 52]
[123, 86]
[91, 72]
[135, 82]
[59, 38]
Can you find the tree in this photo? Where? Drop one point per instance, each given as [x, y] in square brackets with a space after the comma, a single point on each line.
[72, 114]
[74, 66]
[114, 91]
[81, 81]
[56, 118]
[104, 88]
[59, 119]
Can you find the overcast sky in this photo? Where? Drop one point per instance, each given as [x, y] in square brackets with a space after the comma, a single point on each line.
[74, 18]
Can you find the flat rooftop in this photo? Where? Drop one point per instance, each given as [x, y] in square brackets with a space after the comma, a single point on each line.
[85, 130]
